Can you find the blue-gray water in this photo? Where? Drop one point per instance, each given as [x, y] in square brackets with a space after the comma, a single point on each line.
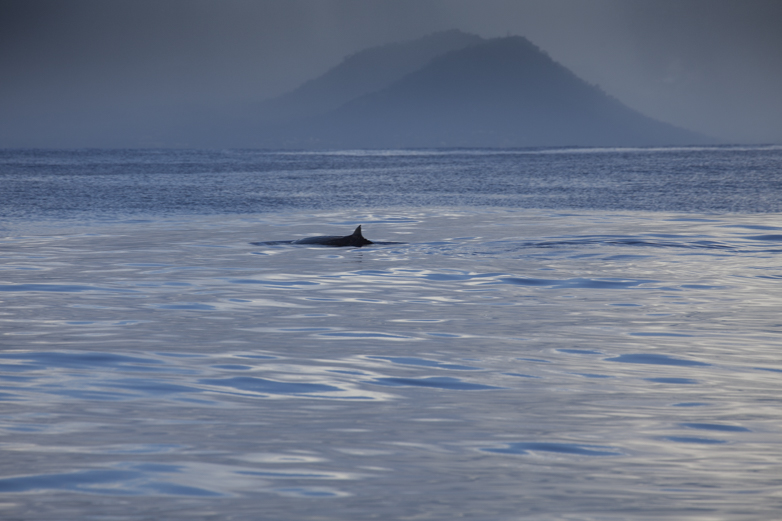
[564, 334]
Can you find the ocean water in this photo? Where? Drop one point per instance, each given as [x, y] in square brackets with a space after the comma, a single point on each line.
[567, 334]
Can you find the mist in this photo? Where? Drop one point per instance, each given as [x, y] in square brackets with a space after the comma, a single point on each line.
[124, 73]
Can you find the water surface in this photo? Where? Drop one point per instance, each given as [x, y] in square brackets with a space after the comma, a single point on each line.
[506, 361]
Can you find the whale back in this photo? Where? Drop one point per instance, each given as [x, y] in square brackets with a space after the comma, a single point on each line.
[355, 239]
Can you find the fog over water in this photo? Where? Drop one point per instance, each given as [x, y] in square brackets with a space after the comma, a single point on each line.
[91, 73]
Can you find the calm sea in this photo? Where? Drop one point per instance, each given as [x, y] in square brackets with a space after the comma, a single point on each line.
[562, 334]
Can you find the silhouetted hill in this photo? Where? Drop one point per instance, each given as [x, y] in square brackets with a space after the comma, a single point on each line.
[361, 73]
[503, 92]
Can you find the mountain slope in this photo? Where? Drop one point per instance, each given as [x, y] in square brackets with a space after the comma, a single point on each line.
[503, 92]
[361, 73]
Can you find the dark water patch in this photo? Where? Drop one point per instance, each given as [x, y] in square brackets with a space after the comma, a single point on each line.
[59, 288]
[715, 427]
[437, 382]
[627, 257]
[422, 362]
[692, 220]
[592, 375]
[675, 381]
[389, 220]
[182, 355]
[83, 394]
[772, 238]
[660, 334]
[147, 448]
[305, 329]
[18, 368]
[373, 273]
[187, 306]
[653, 359]
[367, 334]
[263, 386]
[607, 240]
[752, 226]
[438, 277]
[270, 243]
[102, 482]
[280, 283]
[574, 283]
[313, 315]
[149, 386]
[519, 375]
[232, 367]
[689, 439]
[559, 448]
[288, 475]
[14, 378]
[302, 492]
[89, 481]
[26, 428]
[767, 369]
[71, 360]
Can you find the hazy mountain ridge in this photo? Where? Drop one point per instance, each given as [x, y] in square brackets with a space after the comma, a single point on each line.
[361, 73]
[503, 92]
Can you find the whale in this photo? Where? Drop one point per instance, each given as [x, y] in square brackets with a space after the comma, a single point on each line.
[355, 239]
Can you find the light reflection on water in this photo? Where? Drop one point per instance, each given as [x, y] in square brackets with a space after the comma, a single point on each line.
[499, 365]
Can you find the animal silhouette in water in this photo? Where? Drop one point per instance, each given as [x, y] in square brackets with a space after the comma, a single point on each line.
[354, 239]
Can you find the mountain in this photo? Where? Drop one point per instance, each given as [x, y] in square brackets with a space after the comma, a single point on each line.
[361, 73]
[502, 92]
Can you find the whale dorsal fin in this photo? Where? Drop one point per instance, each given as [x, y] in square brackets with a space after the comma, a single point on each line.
[357, 239]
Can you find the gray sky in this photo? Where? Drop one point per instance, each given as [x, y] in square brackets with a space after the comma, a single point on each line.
[74, 68]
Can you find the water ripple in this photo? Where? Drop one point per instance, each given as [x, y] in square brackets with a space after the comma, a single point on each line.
[655, 359]
[58, 288]
[522, 448]
[438, 382]
[422, 362]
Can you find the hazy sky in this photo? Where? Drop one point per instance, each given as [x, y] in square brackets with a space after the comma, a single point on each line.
[75, 70]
